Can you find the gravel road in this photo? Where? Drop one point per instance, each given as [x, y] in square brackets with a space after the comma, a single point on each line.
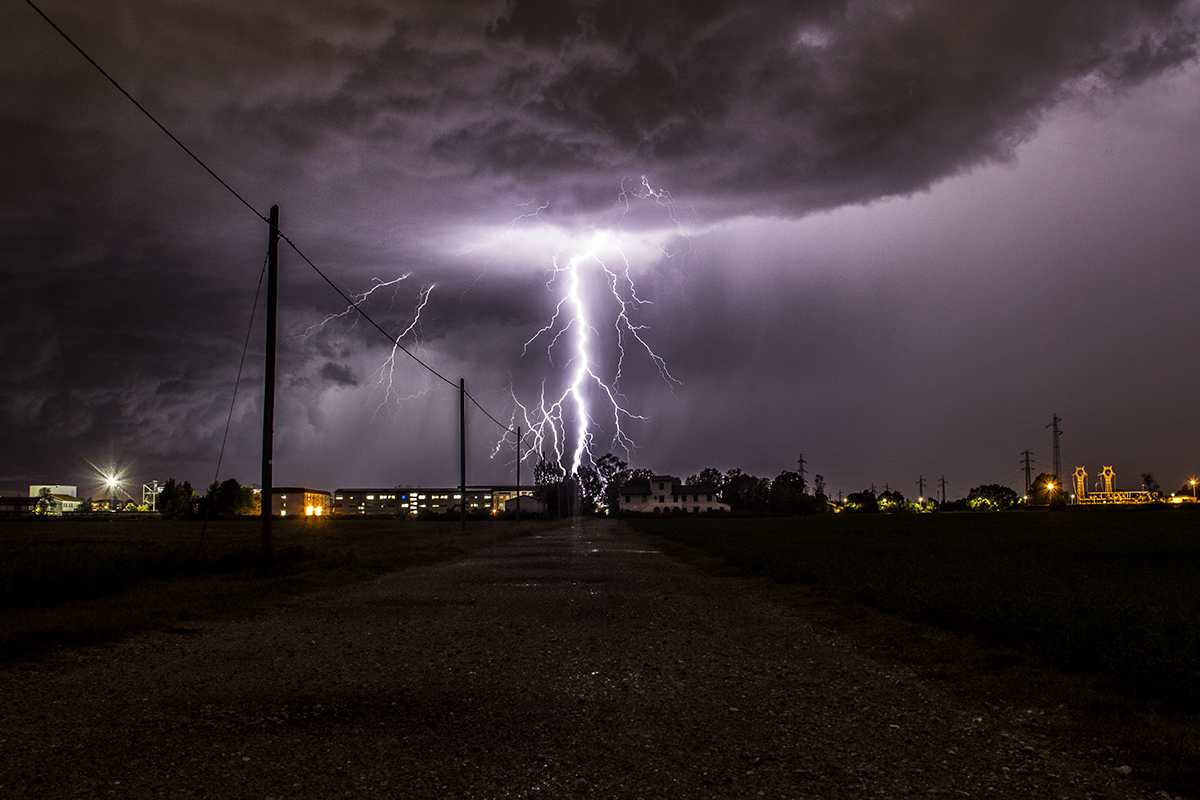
[580, 663]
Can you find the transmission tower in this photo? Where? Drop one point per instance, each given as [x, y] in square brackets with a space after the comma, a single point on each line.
[1057, 457]
[1028, 456]
[942, 483]
[921, 487]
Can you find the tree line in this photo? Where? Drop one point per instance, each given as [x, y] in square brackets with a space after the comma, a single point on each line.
[597, 488]
[227, 498]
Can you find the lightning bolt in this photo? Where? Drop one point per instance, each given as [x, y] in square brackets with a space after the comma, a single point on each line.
[385, 377]
[562, 424]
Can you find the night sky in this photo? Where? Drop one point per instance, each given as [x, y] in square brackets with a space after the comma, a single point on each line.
[894, 237]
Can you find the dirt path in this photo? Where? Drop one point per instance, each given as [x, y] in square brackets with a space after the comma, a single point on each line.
[576, 664]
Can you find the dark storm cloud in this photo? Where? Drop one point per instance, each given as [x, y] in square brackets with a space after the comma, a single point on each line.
[789, 107]
[341, 374]
[761, 106]
[386, 129]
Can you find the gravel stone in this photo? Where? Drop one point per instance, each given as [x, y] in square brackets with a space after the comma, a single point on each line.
[580, 663]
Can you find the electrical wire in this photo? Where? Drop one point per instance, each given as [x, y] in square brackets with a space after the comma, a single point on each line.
[233, 400]
[393, 340]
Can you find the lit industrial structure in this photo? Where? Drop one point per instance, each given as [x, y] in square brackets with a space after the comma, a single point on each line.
[1109, 495]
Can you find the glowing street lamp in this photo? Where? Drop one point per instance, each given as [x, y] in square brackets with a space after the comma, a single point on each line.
[112, 482]
[1193, 483]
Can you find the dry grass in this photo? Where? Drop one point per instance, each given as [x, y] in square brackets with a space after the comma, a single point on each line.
[67, 583]
[930, 592]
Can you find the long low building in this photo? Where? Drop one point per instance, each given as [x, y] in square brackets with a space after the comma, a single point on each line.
[366, 502]
[296, 501]
[399, 500]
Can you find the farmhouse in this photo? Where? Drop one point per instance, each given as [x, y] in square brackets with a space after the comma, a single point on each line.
[665, 494]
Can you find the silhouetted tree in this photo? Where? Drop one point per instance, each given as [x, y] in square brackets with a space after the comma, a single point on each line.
[991, 497]
[864, 502]
[709, 476]
[227, 499]
[591, 488]
[615, 473]
[1149, 484]
[892, 501]
[788, 495]
[176, 500]
[1045, 490]
[547, 471]
[745, 492]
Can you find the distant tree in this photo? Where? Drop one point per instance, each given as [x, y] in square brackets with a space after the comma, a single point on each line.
[227, 499]
[563, 498]
[991, 497]
[788, 495]
[44, 503]
[547, 471]
[615, 473]
[709, 476]
[591, 488]
[864, 502]
[1149, 484]
[1045, 490]
[176, 500]
[609, 465]
[892, 501]
[819, 489]
[86, 507]
[745, 492]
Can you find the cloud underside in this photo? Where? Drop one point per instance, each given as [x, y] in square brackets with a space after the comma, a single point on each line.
[776, 107]
[743, 107]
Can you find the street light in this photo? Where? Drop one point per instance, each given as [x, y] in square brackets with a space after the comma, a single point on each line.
[1193, 482]
[111, 482]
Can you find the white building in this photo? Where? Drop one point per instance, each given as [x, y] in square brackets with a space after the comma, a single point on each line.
[72, 491]
[665, 494]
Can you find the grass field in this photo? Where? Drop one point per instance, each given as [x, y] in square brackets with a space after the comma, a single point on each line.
[1091, 617]
[71, 582]
[1109, 593]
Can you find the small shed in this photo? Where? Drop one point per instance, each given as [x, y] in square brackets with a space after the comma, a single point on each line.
[527, 504]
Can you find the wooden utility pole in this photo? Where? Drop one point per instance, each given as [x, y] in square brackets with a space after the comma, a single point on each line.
[268, 434]
[462, 448]
[519, 473]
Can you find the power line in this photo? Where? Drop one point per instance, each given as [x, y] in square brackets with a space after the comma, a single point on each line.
[142, 108]
[394, 340]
